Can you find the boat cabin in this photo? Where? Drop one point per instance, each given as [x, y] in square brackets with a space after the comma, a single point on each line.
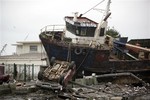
[81, 27]
[84, 30]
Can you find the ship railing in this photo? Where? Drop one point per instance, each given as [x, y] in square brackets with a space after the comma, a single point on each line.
[50, 28]
[86, 40]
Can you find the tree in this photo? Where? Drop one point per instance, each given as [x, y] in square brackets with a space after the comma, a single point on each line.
[112, 32]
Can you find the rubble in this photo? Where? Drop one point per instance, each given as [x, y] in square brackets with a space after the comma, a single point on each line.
[101, 91]
[86, 88]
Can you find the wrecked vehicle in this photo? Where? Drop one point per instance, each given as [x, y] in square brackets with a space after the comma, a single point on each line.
[58, 72]
[3, 78]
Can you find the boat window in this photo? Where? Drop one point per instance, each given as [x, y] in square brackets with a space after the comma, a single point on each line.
[102, 32]
[77, 30]
[83, 31]
[77, 23]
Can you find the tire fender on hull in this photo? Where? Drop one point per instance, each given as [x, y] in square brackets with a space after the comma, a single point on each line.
[78, 51]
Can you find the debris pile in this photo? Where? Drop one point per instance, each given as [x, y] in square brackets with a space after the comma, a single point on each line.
[77, 91]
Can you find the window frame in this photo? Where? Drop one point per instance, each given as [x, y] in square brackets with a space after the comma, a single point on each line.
[33, 48]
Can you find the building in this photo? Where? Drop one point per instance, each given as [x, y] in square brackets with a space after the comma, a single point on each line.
[27, 60]
[27, 52]
[28, 47]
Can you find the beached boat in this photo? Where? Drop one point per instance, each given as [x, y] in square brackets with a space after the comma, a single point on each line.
[86, 43]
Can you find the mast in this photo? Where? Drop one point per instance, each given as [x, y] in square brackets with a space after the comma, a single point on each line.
[101, 28]
[108, 7]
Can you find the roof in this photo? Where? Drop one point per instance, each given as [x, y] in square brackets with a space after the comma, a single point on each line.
[82, 20]
[27, 42]
[141, 42]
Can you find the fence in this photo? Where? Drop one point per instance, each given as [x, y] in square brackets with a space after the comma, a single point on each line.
[22, 72]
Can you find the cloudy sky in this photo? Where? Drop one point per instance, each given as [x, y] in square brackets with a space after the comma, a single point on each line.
[22, 19]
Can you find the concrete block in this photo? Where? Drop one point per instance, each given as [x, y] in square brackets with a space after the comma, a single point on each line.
[116, 98]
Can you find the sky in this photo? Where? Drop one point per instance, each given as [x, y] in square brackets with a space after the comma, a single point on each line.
[21, 20]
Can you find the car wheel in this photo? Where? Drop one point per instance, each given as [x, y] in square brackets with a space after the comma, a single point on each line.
[61, 80]
[71, 64]
[40, 75]
[52, 61]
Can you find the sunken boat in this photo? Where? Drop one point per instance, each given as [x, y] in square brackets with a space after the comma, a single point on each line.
[85, 41]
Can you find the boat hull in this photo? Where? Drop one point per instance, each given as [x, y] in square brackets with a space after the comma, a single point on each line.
[92, 60]
[83, 56]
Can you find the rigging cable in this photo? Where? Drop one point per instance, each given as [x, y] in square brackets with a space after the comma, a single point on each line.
[92, 8]
[69, 53]
[83, 60]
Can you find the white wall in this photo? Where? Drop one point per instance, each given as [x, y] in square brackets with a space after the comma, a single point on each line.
[23, 61]
[26, 48]
[19, 49]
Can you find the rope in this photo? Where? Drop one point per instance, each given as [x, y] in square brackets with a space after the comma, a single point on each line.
[69, 53]
[92, 8]
[83, 60]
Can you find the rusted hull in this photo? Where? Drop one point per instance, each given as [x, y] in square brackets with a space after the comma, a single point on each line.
[121, 66]
[82, 55]
[92, 60]
[139, 68]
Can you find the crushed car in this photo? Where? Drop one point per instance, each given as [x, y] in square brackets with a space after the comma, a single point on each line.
[59, 72]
